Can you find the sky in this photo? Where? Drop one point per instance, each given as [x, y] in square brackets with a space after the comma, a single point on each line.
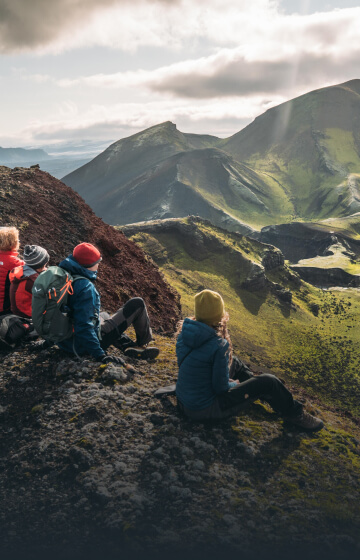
[85, 73]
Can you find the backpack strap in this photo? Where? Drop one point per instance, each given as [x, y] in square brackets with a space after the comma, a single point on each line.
[78, 276]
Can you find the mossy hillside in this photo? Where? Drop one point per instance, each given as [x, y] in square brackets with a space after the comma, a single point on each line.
[350, 225]
[253, 197]
[314, 343]
[312, 193]
[342, 148]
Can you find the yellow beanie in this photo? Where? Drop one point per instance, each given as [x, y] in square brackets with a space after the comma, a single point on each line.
[209, 307]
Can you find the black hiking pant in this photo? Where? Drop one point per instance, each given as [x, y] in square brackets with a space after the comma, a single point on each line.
[266, 387]
[134, 313]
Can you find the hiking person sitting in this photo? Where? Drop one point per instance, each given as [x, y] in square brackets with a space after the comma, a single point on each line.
[204, 353]
[22, 279]
[9, 246]
[95, 331]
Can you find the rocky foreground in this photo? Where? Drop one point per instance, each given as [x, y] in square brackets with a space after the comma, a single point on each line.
[93, 466]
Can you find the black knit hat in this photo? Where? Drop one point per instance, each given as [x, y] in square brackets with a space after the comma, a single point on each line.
[35, 256]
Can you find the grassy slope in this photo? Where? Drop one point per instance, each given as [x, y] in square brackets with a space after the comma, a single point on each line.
[348, 224]
[319, 354]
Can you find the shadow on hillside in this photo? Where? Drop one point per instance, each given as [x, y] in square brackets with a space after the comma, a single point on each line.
[285, 310]
[252, 301]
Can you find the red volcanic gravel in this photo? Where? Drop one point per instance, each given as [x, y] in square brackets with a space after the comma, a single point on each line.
[50, 214]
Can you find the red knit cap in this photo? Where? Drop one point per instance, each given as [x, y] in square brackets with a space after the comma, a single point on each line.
[86, 254]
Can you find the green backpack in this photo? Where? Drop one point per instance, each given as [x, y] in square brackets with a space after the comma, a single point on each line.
[50, 313]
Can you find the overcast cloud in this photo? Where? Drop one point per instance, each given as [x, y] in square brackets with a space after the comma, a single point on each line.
[107, 68]
[331, 53]
[56, 25]
[27, 24]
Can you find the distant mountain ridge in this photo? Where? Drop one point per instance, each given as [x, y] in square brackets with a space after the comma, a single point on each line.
[17, 155]
[297, 161]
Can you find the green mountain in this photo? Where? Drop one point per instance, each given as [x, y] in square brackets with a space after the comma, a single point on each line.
[278, 322]
[162, 173]
[298, 161]
[105, 179]
[311, 145]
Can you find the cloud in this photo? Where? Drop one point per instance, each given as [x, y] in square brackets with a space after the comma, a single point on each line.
[26, 24]
[296, 53]
[231, 74]
[107, 123]
[57, 25]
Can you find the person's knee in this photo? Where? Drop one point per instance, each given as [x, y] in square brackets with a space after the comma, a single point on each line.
[268, 381]
[133, 305]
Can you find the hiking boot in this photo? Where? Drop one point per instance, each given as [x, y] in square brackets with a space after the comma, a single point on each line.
[306, 421]
[139, 353]
[39, 345]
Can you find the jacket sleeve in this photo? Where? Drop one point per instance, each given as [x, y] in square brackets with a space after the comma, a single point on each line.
[17, 262]
[85, 319]
[220, 369]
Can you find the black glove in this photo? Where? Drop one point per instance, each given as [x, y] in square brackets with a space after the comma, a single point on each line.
[110, 359]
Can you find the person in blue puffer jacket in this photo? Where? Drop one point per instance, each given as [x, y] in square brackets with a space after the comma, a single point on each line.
[95, 330]
[212, 384]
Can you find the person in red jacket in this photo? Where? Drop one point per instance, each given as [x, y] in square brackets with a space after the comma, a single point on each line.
[22, 279]
[9, 246]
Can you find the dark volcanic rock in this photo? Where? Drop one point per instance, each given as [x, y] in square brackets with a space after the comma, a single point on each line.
[282, 294]
[256, 280]
[327, 277]
[273, 258]
[305, 240]
[50, 214]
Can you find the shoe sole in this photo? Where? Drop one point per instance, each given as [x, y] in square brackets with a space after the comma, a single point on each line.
[164, 391]
[299, 427]
[145, 354]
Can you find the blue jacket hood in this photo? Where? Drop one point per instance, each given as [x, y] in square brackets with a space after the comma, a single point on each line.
[72, 266]
[195, 333]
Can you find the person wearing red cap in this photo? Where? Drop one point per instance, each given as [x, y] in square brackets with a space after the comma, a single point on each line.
[95, 331]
